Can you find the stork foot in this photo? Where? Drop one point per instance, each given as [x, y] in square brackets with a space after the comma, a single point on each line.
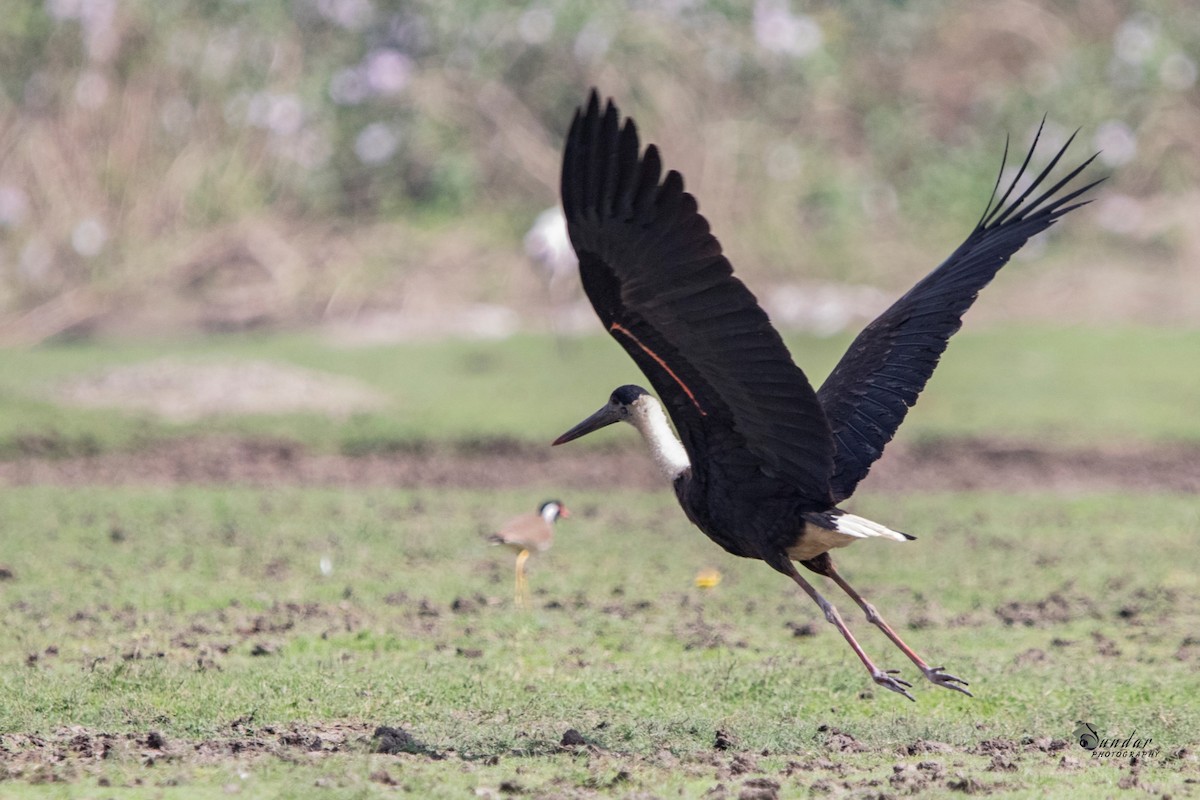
[938, 676]
[888, 680]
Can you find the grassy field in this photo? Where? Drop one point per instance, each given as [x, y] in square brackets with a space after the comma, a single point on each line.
[1067, 386]
[189, 641]
[201, 616]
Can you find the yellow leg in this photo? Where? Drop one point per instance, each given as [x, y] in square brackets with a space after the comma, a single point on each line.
[521, 595]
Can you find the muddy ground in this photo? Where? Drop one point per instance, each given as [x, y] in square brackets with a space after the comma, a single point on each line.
[952, 465]
[71, 753]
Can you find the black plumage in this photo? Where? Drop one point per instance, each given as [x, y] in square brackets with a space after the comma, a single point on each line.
[767, 457]
[868, 393]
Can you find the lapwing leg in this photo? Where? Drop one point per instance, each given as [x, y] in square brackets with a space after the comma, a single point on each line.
[521, 593]
[886, 679]
[935, 674]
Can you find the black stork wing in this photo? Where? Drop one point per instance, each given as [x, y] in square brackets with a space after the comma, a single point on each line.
[662, 288]
[878, 379]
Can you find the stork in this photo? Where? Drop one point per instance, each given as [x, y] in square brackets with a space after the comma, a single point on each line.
[764, 459]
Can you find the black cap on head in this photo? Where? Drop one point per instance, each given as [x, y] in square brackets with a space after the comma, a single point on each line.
[615, 410]
[625, 395]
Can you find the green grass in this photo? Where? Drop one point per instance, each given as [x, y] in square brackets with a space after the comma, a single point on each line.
[1069, 386]
[203, 614]
[133, 610]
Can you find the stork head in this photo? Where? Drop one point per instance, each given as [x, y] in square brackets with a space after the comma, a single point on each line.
[639, 408]
[624, 404]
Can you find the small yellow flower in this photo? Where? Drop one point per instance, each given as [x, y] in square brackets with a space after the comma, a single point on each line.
[707, 578]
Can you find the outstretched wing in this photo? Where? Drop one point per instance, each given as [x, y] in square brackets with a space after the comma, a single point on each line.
[878, 379]
[662, 288]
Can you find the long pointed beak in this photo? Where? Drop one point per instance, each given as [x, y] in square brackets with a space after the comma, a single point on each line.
[602, 418]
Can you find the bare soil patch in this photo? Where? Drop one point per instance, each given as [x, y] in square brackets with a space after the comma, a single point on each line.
[966, 464]
[183, 390]
[1055, 608]
[952, 465]
[70, 753]
[66, 753]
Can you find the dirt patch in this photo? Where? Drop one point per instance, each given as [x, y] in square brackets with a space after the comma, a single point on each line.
[256, 462]
[840, 741]
[1056, 608]
[953, 465]
[201, 640]
[759, 789]
[392, 741]
[182, 391]
[923, 746]
[68, 752]
[965, 464]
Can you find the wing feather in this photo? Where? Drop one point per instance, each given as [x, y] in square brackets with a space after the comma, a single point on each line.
[662, 287]
[869, 392]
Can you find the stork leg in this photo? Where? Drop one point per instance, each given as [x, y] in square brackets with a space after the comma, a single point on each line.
[521, 592]
[886, 679]
[937, 675]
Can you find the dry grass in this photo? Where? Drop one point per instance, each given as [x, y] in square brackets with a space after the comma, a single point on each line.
[863, 161]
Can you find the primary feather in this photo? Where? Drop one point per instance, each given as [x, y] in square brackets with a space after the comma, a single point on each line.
[869, 392]
[661, 286]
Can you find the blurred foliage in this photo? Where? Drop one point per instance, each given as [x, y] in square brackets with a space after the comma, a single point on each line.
[293, 158]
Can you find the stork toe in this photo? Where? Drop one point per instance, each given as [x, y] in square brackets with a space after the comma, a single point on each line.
[940, 677]
[888, 680]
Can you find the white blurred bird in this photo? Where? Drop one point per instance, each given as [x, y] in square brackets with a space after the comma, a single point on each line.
[549, 247]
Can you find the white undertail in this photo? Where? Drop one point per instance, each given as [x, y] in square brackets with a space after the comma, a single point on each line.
[848, 528]
[862, 528]
[647, 415]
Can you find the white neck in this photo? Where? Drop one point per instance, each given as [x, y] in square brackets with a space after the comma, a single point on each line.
[649, 419]
[550, 512]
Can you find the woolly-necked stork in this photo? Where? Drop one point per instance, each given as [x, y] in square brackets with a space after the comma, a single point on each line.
[764, 459]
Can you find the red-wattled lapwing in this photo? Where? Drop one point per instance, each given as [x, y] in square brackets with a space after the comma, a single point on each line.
[764, 459]
[532, 532]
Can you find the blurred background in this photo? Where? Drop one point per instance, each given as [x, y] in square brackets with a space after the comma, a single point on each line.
[169, 166]
[287, 322]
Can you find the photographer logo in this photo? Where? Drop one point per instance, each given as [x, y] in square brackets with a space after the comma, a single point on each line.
[1100, 746]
